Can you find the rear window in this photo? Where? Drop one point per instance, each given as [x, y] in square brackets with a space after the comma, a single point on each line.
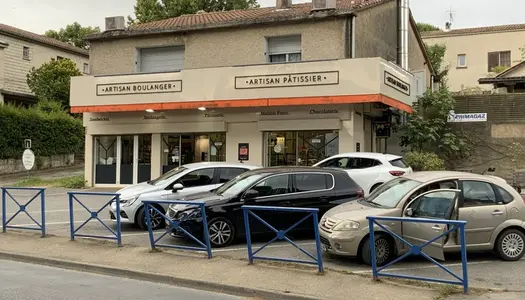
[399, 163]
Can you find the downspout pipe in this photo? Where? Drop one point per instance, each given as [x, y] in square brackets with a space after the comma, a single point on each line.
[404, 23]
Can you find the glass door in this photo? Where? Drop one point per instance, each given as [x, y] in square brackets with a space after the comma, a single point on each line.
[144, 157]
[282, 148]
[170, 152]
[105, 160]
[218, 146]
[126, 159]
[315, 146]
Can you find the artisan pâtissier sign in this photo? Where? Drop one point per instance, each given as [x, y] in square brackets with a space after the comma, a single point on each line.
[150, 87]
[287, 80]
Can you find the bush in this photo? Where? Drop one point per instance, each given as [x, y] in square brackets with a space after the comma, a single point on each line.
[424, 161]
[51, 132]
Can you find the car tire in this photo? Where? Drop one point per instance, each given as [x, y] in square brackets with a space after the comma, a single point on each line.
[510, 245]
[384, 250]
[375, 186]
[156, 219]
[221, 232]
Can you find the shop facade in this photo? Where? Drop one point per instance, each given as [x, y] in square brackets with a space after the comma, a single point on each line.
[140, 126]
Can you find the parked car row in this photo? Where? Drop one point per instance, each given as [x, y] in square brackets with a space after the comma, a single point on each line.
[346, 189]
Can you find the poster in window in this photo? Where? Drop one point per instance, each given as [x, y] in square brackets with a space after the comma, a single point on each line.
[244, 151]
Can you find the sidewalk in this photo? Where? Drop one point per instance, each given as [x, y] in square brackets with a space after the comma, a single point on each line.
[10, 179]
[190, 269]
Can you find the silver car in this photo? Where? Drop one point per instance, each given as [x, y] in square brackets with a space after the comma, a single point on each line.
[494, 211]
[175, 184]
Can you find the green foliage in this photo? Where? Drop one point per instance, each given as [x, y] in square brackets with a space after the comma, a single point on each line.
[436, 54]
[51, 133]
[51, 80]
[426, 27]
[154, 10]
[49, 106]
[73, 34]
[424, 161]
[498, 69]
[73, 182]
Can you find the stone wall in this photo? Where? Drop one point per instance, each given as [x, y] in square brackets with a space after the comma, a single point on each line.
[9, 166]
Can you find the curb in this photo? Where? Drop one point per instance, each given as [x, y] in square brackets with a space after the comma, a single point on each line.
[152, 277]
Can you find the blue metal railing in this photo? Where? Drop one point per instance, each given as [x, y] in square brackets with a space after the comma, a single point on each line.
[175, 225]
[417, 249]
[23, 208]
[281, 234]
[94, 216]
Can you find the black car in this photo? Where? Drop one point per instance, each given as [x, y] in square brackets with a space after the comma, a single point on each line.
[308, 187]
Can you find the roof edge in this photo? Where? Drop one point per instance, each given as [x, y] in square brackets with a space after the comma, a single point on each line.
[64, 48]
[441, 33]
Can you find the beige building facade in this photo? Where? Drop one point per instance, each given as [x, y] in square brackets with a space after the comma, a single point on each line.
[271, 86]
[20, 51]
[474, 53]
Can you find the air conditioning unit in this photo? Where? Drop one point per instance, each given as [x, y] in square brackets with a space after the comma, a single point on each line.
[115, 23]
[323, 4]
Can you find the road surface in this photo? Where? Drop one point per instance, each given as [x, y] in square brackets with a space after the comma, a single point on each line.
[20, 281]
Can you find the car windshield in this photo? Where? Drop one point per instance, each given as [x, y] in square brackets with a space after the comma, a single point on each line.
[237, 185]
[390, 193]
[166, 176]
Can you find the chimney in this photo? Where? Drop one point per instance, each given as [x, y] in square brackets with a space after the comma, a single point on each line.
[284, 4]
[115, 23]
[318, 5]
[448, 25]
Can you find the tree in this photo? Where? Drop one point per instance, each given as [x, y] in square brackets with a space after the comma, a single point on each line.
[436, 55]
[426, 27]
[51, 80]
[74, 34]
[153, 10]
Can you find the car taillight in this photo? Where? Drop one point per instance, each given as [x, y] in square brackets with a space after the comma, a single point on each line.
[360, 193]
[396, 173]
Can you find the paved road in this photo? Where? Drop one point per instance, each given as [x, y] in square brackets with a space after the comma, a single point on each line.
[22, 281]
[502, 274]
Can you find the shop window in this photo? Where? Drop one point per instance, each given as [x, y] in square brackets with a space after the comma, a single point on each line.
[105, 160]
[284, 49]
[144, 161]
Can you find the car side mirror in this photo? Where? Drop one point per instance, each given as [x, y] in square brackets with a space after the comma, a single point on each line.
[250, 194]
[409, 212]
[177, 187]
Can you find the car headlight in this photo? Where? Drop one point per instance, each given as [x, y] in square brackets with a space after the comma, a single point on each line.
[346, 225]
[129, 201]
[189, 214]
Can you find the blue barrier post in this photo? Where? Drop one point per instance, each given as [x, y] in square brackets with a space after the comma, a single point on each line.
[23, 208]
[175, 225]
[417, 249]
[281, 234]
[94, 216]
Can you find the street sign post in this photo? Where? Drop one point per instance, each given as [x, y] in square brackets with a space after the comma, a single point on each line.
[28, 160]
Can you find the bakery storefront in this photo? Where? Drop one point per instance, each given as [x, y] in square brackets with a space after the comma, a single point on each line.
[142, 125]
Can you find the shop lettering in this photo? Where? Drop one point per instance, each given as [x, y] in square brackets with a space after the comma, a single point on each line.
[323, 111]
[213, 115]
[274, 113]
[139, 88]
[99, 119]
[155, 117]
[287, 80]
[397, 83]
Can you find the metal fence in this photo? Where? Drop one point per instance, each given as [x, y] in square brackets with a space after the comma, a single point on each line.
[174, 225]
[418, 249]
[40, 192]
[94, 215]
[281, 234]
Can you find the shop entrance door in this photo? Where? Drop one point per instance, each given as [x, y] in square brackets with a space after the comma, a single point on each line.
[300, 148]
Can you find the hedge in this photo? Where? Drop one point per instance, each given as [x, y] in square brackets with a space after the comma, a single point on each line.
[51, 133]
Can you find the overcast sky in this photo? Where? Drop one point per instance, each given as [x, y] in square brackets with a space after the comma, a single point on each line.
[40, 15]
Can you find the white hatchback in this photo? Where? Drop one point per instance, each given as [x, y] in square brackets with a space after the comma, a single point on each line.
[175, 184]
[368, 169]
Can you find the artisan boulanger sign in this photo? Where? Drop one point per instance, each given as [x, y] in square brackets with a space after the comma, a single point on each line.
[287, 80]
[396, 83]
[150, 87]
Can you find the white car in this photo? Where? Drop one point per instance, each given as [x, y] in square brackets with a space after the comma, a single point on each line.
[368, 169]
[175, 184]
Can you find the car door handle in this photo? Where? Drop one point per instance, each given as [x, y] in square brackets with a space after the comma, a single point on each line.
[436, 227]
[497, 212]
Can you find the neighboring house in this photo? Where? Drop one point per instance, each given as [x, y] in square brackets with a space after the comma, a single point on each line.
[284, 85]
[22, 50]
[510, 81]
[473, 53]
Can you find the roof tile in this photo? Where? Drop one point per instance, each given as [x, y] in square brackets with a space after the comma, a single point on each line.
[42, 39]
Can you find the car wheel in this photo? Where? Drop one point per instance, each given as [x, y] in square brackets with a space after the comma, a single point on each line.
[157, 221]
[511, 245]
[375, 186]
[384, 250]
[221, 231]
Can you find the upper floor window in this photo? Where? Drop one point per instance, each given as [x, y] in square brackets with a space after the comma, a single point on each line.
[499, 59]
[462, 61]
[162, 59]
[25, 53]
[86, 68]
[284, 49]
